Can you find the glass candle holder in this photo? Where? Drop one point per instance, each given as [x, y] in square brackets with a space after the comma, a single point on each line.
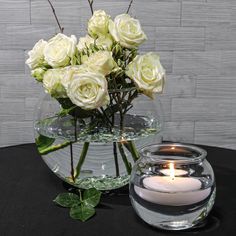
[172, 186]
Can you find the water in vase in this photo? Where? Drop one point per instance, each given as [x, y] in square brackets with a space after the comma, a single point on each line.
[104, 166]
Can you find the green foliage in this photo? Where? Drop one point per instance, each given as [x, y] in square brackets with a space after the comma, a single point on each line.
[69, 108]
[81, 208]
[82, 212]
[43, 142]
[92, 197]
[67, 199]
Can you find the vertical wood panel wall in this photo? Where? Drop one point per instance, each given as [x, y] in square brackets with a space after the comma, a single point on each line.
[196, 40]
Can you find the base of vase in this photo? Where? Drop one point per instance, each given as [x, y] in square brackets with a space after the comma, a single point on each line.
[100, 182]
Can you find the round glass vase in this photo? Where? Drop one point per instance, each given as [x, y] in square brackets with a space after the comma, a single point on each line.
[172, 186]
[85, 152]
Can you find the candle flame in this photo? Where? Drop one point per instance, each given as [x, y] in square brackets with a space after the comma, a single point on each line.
[172, 170]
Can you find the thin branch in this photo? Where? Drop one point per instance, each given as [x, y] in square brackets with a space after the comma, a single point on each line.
[72, 162]
[129, 6]
[55, 15]
[91, 5]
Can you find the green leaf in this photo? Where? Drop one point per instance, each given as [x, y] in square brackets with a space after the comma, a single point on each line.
[43, 142]
[81, 113]
[65, 112]
[91, 197]
[69, 108]
[65, 103]
[82, 212]
[67, 199]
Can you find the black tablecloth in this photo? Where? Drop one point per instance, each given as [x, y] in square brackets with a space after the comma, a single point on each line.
[28, 188]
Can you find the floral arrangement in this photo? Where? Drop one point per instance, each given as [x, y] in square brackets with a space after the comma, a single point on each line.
[105, 59]
[98, 75]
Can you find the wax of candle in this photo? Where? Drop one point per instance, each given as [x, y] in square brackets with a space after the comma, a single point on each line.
[173, 192]
[176, 173]
[167, 184]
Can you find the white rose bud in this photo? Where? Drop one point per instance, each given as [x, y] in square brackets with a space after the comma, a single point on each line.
[105, 41]
[127, 31]
[60, 50]
[88, 90]
[98, 23]
[38, 73]
[36, 57]
[101, 62]
[52, 82]
[147, 73]
[85, 42]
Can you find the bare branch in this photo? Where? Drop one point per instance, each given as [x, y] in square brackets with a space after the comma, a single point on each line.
[55, 15]
[129, 6]
[91, 5]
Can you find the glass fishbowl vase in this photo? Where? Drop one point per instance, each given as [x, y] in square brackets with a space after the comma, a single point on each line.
[88, 152]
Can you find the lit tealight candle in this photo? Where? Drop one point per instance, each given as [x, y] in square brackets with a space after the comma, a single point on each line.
[172, 190]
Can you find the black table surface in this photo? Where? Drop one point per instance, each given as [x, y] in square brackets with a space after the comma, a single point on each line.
[28, 188]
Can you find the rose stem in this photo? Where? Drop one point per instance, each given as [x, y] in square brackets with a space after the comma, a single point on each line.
[55, 15]
[91, 5]
[82, 158]
[115, 150]
[124, 158]
[71, 152]
[133, 150]
[129, 6]
[72, 162]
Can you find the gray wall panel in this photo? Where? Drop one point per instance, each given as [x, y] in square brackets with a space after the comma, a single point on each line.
[196, 41]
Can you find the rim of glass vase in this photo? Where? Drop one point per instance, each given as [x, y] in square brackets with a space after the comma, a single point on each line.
[174, 152]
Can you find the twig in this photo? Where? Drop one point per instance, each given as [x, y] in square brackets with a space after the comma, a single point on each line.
[105, 115]
[72, 162]
[129, 6]
[55, 15]
[116, 159]
[91, 5]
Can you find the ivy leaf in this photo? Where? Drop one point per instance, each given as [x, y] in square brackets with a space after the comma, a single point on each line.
[91, 197]
[43, 142]
[81, 212]
[67, 199]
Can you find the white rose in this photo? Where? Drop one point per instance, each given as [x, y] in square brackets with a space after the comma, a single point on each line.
[85, 42]
[127, 31]
[98, 23]
[69, 71]
[147, 73]
[102, 62]
[88, 90]
[60, 49]
[52, 82]
[36, 57]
